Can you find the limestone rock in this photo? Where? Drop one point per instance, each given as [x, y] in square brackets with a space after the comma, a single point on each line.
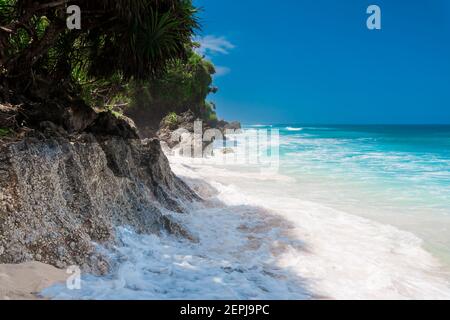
[234, 125]
[58, 197]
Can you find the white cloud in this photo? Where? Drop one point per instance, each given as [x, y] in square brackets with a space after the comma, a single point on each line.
[221, 71]
[214, 45]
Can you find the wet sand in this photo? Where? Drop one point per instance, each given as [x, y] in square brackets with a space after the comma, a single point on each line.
[25, 281]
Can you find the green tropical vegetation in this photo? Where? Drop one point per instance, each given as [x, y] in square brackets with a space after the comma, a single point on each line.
[135, 57]
[184, 86]
[171, 119]
[4, 132]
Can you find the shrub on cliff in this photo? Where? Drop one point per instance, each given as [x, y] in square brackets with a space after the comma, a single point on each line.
[171, 119]
[185, 86]
[42, 61]
[4, 132]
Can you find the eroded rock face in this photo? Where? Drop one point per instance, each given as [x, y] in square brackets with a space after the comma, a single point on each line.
[183, 122]
[107, 124]
[179, 137]
[58, 197]
[74, 117]
[234, 125]
[224, 125]
[9, 116]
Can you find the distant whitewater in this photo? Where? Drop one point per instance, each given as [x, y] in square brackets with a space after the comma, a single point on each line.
[327, 225]
[293, 129]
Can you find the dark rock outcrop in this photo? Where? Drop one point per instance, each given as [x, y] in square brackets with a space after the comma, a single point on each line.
[74, 117]
[168, 126]
[58, 197]
[108, 124]
[223, 125]
[178, 135]
[234, 125]
[9, 116]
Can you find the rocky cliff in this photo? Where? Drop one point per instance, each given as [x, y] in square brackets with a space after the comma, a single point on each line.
[60, 196]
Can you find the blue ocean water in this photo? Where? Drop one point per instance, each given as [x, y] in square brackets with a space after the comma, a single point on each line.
[395, 174]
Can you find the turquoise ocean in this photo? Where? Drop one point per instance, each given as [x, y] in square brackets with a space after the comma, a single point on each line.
[395, 174]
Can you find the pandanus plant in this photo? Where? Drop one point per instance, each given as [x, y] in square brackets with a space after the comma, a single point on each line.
[134, 38]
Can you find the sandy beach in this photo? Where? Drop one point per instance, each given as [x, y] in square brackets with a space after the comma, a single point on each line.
[25, 281]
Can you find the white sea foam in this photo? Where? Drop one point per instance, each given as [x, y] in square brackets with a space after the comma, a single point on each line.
[259, 126]
[258, 240]
[342, 256]
[231, 260]
[294, 129]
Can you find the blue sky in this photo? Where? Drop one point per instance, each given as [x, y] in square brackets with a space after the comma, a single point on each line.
[315, 61]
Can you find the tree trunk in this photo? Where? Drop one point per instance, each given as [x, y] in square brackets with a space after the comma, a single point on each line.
[19, 69]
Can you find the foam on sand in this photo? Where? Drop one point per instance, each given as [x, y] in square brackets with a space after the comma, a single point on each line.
[344, 256]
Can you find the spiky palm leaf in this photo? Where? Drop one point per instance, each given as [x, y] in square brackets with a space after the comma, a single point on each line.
[136, 38]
